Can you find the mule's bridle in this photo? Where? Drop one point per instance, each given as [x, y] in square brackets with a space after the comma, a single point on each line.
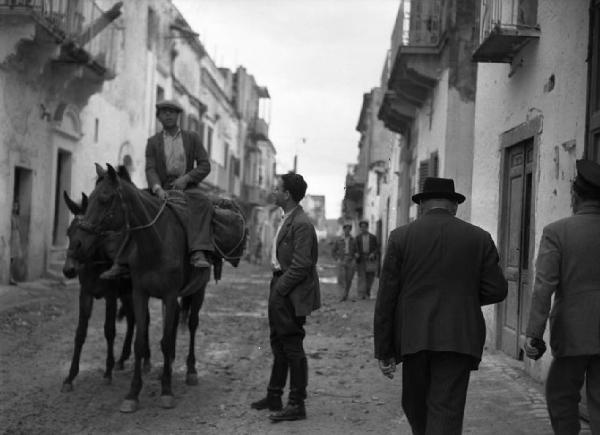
[109, 214]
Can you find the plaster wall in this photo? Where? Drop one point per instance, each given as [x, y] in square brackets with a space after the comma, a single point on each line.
[504, 102]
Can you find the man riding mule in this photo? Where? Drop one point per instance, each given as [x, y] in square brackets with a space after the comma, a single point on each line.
[159, 265]
[170, 158]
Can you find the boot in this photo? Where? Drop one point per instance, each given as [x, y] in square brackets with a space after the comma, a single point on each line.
[295, 409]
[116, 271]
[275, 389]
[198, 259]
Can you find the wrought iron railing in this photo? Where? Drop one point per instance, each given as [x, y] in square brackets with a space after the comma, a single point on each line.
[507, 13]
[80, 22]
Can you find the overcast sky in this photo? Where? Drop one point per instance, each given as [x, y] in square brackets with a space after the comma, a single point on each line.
[317, 58]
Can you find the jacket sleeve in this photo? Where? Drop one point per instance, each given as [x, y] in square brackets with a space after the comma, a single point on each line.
[493, 286]
[202, 169]
[384, 321]
[547, 279]
[151, 174]
[302, 263]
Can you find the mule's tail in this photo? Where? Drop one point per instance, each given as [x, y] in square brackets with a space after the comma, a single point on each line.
[184, 312]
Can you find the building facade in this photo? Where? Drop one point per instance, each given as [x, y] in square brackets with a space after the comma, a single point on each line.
[537, 112]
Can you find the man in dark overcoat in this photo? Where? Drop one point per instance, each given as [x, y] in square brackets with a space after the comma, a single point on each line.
[294, 294]
[437, 273]
[176, 160]
[568, 267]
[367, 259]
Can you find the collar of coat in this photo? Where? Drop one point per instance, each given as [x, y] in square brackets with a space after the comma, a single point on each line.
[589, 208]
[287, 223]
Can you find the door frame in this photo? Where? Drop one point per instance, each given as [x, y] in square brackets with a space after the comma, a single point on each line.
[530, 129]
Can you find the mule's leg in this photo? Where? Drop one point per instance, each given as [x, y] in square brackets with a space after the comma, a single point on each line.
[126, 351]
[109, 333]
[196, 300]
[140, 308]
[167, 345]
[147, 363]
[86, 303]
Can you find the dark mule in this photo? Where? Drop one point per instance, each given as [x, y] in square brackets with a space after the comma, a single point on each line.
[159, 267]
[91, 287]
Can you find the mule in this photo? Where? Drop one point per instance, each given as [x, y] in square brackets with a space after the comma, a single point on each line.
[91, 287]
[159, 267]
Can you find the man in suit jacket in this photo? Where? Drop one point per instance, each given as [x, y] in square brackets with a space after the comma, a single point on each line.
[437, 273]
[294, 294]
[367, 256]
[568, 267]
[176, 160]
[344, 252]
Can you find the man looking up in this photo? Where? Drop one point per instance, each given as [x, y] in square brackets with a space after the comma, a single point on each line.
[294, 294]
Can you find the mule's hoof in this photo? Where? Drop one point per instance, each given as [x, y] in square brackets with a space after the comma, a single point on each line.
[128, 406]
[107, 380]
[167, 402]
[66, 388]
[147, 367]
[191, 379]
[120, 366]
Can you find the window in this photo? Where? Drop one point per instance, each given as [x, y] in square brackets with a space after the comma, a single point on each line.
[423, 173]
[593, 138]
[96, 130]
[428, 168]
[209, 137]
[152, 29]
[226, 155]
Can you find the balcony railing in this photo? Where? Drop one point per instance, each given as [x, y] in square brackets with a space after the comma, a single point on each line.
[81, 23]
[506, 26]
[261, 129]
[254, 194]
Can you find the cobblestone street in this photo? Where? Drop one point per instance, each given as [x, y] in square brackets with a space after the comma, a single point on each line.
[347, 393]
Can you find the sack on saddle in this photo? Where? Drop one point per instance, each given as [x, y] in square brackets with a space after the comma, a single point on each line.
[229, 230]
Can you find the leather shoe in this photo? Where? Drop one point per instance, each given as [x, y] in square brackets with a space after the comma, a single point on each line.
[116, 271]
[199, 260]
[272, 402]
[291, 412]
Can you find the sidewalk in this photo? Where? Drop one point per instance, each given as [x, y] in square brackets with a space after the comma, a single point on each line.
[23, 293]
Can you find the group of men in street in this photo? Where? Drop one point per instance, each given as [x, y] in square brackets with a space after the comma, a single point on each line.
[359, 255]
[437, 273]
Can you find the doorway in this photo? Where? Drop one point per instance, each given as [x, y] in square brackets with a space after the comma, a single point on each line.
[20, 222]
[516, 252]
[61, 212]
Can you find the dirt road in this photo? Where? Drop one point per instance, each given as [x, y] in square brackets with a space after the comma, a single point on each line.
[346, 392]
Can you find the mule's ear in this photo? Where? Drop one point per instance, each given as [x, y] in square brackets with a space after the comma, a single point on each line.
[84, 202]
[112, 174]
[71, 204]
[100, 170]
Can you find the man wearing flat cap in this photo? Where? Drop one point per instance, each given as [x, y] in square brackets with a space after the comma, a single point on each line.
[568, 267]
[176, 160]
[344, 253]
[437, 273]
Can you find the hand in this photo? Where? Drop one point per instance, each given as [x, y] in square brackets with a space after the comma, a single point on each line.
[161, 193]
[180, 183]
[387, 367]
[530, 351]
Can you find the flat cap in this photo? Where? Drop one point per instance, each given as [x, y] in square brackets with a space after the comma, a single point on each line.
[171, 104]
[589, 171]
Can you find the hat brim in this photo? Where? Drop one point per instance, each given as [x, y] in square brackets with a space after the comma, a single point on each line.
[417, 198]
[169, 106]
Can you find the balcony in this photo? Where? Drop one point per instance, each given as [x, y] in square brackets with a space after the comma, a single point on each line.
[85, 34]
[506, 27]
[396, 112]
[261, 129]
[254, 194]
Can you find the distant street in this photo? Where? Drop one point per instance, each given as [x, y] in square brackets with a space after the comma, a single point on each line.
[347, 394]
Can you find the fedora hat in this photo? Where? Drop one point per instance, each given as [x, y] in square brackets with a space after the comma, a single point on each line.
[589, 172]
[170, 104]
[347, 224]
[438, 188]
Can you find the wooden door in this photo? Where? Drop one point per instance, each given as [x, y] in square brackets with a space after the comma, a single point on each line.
[515, 249]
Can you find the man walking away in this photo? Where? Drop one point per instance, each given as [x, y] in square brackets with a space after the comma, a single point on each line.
[344, 253]
[568, 266]
[294, 294]
[367, 260]
[437, 273]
